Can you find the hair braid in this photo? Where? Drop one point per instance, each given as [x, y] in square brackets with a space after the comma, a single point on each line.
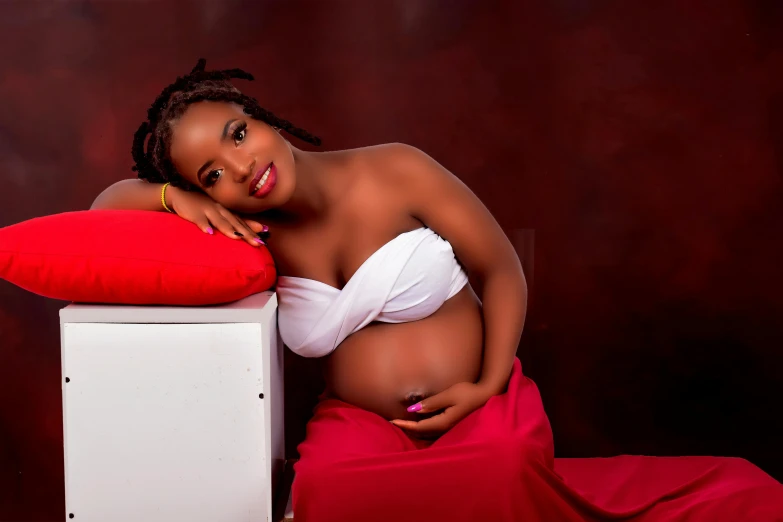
[151, 155]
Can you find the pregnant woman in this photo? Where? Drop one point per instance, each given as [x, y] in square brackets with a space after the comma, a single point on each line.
[426, 415]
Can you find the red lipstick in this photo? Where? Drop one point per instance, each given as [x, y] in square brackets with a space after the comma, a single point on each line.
[270, 171]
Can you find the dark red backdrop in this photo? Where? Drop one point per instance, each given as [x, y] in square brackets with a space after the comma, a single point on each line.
[643, 141]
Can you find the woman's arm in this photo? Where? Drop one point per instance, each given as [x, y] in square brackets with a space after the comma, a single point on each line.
[446, 205]
[504, 307]
[133, 194]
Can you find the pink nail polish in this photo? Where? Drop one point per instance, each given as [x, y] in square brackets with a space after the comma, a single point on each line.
[265, 229]
[259, 240]
[416, 407]
[209, 230]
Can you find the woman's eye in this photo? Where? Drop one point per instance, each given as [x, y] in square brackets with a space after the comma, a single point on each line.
[212, 177]
[239, 134]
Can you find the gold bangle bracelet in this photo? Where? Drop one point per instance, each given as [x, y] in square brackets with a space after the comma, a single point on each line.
[163, 197]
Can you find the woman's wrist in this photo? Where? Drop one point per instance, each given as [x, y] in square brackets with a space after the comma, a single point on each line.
[171, 197]
[492, 386]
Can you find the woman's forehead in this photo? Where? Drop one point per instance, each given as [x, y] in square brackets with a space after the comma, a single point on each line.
[205, 114]
[202, 124]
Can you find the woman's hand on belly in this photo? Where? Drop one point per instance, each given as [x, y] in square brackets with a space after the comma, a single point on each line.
[385, 368]
[450, 406]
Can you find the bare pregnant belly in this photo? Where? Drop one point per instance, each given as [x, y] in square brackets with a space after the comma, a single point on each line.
[385, 367]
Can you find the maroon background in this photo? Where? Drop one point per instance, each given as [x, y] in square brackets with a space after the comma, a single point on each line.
[643, 141]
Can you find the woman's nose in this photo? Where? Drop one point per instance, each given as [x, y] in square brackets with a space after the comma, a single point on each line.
[242, 169]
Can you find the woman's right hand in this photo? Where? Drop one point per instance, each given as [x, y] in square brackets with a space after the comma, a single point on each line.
[206, 213]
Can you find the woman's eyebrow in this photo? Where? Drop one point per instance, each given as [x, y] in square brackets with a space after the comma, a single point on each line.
[225, 129]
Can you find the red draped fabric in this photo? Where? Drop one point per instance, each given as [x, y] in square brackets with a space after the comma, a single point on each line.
[498, 465]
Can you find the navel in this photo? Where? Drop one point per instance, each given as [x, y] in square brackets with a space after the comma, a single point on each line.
[415, 396]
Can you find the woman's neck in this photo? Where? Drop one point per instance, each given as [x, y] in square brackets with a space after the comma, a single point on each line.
[311, 197]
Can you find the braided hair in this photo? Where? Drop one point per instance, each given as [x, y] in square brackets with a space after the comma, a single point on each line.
[151, 156]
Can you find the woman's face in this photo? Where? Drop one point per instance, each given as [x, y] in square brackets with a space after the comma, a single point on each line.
[242, 163]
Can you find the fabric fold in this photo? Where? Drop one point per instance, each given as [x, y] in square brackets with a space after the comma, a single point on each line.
[393, 285]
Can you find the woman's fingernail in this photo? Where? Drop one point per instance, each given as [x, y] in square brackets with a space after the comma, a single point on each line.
[265, 229]
[416, 407]
[209, 230]
[238, 234]
[259, 240]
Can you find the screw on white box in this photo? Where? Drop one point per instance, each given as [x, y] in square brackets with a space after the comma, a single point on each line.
[161, 412]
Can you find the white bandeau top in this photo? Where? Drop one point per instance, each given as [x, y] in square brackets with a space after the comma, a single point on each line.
[407, 279]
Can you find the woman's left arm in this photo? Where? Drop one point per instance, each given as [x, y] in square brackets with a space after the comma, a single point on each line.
[447, 206]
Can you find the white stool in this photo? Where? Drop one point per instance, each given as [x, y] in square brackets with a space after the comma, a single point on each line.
[172, 413]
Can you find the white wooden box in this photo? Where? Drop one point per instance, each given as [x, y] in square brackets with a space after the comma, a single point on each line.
[172, 413]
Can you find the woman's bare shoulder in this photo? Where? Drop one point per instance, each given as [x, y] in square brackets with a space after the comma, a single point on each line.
[379, 163]
[366, 169]
[376, 193]
[380, 152]
[388, 152]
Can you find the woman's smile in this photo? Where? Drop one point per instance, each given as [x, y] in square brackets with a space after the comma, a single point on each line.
[264, 181]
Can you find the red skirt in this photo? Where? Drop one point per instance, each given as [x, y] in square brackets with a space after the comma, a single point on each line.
[498, 464]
